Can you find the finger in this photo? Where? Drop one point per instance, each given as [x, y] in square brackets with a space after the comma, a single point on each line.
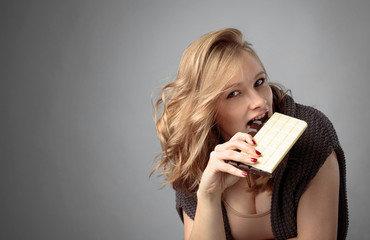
[238, 145]
[252, 152]
[235, 156]
[240, 157]
[230, 169]
[244, 137]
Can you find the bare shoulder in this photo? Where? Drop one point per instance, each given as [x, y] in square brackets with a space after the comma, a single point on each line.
[317, 214]
[328, 174]
[188, 225]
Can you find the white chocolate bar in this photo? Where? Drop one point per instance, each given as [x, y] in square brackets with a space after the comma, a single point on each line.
[275, 139]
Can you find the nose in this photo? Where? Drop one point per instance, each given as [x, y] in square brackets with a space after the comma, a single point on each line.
[256, 100]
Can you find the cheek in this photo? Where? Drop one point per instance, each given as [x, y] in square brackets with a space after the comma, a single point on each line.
[224, 116]
[230, 119]
[227, 124]
[268, 96]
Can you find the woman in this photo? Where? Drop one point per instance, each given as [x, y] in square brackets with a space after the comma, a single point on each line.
[221, 86]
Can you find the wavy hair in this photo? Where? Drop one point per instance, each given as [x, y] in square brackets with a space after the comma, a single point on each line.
[185, 112]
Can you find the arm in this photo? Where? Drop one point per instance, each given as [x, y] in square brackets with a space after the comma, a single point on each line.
[218, 175]
[208, 222]
[317, 214]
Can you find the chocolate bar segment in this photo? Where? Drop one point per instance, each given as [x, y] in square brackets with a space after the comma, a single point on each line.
[273, 140]
[249, 169]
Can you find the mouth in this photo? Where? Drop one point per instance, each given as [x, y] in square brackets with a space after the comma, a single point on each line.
[255, 124]
[259, 119]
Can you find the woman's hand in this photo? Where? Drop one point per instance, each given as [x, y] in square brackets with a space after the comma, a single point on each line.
[220, 175]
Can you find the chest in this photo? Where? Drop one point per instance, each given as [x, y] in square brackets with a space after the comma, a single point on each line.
[248, 213]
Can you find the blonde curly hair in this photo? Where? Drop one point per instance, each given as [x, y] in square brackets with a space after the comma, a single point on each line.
[185, 112]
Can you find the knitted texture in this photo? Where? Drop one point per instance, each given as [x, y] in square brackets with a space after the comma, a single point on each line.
[188, 204]
[291, 179]
[304, 161]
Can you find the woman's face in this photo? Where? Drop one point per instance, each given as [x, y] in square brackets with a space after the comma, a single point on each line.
[248, 96]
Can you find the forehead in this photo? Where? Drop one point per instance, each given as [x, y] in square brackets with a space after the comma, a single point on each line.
[250, 62]
[248, 67]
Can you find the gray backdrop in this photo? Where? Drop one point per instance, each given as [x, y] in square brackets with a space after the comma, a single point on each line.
[77, 139]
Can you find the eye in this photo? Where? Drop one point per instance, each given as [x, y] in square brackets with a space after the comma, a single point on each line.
[259, 82]
[233, 94]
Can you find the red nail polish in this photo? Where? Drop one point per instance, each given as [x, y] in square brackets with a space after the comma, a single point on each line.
[253, 142]
[244, 174]
[258, 153]
[254, 159]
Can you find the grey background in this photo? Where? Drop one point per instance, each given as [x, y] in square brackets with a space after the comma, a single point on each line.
[77, 139]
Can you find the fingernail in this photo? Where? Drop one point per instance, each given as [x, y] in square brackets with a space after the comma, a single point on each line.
[244, 174]
[258, 153]
[253, 142]
[254, 159]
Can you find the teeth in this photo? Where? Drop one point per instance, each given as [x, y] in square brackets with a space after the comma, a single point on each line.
[260, 117]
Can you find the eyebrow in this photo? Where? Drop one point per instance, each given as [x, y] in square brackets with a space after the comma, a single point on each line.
[239, 83]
